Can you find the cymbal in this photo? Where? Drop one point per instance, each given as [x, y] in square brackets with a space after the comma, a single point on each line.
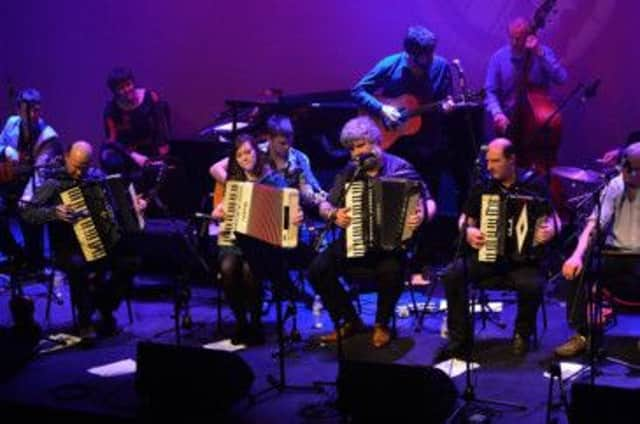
[576, 174]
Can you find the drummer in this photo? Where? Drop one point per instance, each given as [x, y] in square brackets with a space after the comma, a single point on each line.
[619, 219]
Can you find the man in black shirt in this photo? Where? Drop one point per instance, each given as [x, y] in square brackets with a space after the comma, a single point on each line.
[90, 288]
[362, 137]
[519, 272]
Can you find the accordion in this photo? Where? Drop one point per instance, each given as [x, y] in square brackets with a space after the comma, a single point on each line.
[380, 210]
[105, 211]
[508, 223]
[259, 211]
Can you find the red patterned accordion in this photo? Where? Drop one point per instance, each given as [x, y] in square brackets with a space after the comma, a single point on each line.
[262, 212]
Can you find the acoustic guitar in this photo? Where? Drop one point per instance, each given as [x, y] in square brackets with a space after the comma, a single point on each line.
[411, 111]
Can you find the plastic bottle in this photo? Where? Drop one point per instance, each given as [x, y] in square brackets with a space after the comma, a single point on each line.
[316, 310]
[444, 330]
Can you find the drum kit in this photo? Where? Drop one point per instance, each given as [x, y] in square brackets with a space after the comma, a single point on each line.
[579, 186]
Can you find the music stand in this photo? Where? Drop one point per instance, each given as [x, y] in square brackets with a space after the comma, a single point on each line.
[271, 261]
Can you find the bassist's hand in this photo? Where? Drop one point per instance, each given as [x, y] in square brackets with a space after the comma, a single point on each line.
[11, 154]
[391, 114]
[501, 123]
[448, 105]
[533, 44]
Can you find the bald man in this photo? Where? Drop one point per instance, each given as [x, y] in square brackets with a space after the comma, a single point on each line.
[502, 84]
[620, 270]
[517, 272]
[88, 290]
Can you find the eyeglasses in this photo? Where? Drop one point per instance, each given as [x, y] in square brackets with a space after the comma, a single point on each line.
[626, 166]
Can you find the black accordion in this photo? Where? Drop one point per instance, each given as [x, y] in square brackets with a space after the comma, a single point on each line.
[508, 223]
[380, 210]
[103, 215]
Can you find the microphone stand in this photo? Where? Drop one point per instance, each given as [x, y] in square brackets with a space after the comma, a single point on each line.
[593, 286]
[331, 224]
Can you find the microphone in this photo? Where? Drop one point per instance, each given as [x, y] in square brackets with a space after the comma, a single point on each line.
[590, 90]
[366, 161]
[206, 217]
[461, 79]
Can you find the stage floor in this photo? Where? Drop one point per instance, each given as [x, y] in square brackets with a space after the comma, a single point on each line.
[60, 380]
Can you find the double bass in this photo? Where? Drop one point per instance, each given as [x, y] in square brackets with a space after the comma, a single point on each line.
[535, 124]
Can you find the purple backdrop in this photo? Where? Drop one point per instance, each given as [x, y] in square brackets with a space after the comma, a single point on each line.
[197, 53]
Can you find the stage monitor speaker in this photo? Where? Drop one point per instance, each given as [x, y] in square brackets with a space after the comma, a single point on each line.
[190, 380]
[603, 404]
[371, 392]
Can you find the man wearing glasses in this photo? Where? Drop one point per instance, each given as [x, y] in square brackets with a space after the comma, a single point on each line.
[619, 219]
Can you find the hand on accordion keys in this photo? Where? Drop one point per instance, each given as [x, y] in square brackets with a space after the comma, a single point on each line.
[342, 217]
[67, 214]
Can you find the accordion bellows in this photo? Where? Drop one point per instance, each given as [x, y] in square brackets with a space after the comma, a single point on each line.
[259, 211]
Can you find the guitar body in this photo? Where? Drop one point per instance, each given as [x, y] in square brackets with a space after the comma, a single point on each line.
[218, 194]
[407, 104]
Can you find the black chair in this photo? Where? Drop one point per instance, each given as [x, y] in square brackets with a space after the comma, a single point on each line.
[480, 297]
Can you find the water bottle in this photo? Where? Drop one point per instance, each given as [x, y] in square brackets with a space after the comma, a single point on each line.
[444, 330]
[316, 310]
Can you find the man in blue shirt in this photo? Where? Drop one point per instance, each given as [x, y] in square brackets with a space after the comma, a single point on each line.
[421, 73]
[504, 75]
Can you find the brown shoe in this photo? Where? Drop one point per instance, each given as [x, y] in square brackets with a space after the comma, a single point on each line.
[574, 346]
[381, 336]
[349, 329]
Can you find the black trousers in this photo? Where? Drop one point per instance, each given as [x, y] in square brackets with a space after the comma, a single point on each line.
[526, 279]
[99, 285]
[620, 275]
[387, 269]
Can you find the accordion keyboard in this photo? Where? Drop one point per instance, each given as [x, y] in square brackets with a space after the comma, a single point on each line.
[85, 229]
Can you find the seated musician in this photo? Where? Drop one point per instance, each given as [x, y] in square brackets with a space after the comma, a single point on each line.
[282, 157]
[295, 168]
[240, 283]
[522, 274]
[29, 147]
[89, 291]
[136, 122]
[620, 266]
[362, 137]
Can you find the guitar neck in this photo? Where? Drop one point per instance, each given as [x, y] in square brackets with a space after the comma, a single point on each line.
[429, 107]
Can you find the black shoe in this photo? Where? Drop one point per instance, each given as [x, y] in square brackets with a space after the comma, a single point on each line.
[241, 335]
[451, 350]
[108, 326]
[255, 336]
[520, 345]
